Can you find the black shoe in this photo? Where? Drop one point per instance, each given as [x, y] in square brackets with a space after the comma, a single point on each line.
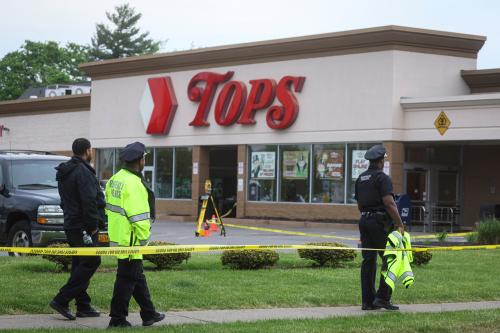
[119, 323]
[64, 311]
[91, 312]
[158, 317]
[367, 307]
[385, 304]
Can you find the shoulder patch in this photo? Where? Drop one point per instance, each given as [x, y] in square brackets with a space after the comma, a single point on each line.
[365, 177]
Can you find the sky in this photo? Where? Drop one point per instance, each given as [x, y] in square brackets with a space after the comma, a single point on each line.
[190, 24]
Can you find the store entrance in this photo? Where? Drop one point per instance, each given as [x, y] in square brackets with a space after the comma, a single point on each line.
[433, 180]
[223, 174]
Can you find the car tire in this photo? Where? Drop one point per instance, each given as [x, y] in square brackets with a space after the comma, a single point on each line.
[20, 236]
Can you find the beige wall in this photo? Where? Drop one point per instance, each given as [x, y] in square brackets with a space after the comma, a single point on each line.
[481, 180]
[46, 132]
[345, 98]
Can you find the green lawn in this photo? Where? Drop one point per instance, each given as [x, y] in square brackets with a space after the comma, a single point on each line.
[29, 283]
[484, 321]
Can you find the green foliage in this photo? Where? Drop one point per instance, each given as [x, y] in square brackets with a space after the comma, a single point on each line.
[472, 237]
[488, 231]
[422, 257]
[441, 236]
[334, 258]
[62, 262]
[40, 64]
[166, 260]
[249, 259]
[124, 38]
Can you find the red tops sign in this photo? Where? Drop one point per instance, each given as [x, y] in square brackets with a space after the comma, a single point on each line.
[233, 104]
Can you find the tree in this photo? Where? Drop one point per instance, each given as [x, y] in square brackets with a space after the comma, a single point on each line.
[40, 64]
[124, 39]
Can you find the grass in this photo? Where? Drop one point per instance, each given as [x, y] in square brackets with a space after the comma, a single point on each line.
[482, 321]
[29, 283]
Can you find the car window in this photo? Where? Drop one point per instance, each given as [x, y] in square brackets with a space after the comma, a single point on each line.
[33, 174]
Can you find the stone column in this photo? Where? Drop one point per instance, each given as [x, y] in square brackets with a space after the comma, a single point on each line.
[396, 152]
[241, 195]
[202, 157]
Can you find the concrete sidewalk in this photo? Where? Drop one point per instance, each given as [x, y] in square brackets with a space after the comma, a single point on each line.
[225, 316]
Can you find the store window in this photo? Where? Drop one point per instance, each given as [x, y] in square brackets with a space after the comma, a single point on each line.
[105, 163]
[164, 173]
[356, 164]
[183, 172]
[295, 170]
[262, 173]
[119, 164]
[329, 174]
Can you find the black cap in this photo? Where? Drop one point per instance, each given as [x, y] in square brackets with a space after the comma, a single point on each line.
[133, 152]
[376, 152]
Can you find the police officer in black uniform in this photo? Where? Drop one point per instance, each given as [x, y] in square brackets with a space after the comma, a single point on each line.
[379, 216]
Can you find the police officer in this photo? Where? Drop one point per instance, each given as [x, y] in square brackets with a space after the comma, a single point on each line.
[130, 210]
[379, 215]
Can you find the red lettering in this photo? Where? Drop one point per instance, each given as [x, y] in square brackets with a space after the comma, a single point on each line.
[260, 97]
[205, 95]
[230, 102]
[281, 117]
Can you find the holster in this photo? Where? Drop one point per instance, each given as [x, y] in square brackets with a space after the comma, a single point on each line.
[384, 219]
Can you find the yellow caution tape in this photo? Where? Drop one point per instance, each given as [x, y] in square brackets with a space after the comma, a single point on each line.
[287, 232]
[298, 233]
[114, 251]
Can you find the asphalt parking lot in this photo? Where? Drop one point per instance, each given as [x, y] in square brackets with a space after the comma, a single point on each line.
[184, 233]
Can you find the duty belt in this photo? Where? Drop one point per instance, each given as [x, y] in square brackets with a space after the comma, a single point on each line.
[368, 214]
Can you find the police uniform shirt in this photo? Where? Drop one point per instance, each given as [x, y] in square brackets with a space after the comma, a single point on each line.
[371, 186]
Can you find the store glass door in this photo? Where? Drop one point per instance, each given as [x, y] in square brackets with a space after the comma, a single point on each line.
[417, 182]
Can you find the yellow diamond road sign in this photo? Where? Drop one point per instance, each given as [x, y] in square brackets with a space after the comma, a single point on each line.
[442, 123]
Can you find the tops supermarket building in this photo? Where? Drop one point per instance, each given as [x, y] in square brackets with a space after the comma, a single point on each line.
[281, 126]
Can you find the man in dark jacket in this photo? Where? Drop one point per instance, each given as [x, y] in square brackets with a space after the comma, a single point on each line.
[82, 201]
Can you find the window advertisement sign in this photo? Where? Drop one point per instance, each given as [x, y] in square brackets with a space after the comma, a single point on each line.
[296, 164]
[359, 164]
[263, 165]
[330, 164]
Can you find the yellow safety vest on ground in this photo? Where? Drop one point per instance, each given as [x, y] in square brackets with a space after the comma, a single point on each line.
[398, 262]
[128, 211]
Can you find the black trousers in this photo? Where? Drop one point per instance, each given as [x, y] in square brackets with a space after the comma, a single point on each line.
[82, 270]
[131, 281]
[373, 235]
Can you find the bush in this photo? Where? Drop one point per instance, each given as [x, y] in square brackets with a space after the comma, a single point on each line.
[472, 237]
[488, 232]
[166, 260]
[62, 262]
[421, 257]
[441, 236]
[249, 259]
[335, 258]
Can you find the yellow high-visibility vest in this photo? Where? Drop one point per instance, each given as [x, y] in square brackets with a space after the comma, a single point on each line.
[128, 211]
[398, 262]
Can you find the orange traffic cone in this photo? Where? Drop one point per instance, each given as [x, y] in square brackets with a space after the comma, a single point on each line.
[213, 223]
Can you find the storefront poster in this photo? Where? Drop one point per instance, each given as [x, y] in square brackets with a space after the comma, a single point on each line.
[359, 164]
[387, 168]
[330, 164]
[263, 165]
[296, 164]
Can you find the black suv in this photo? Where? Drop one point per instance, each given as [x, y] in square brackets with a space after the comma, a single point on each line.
[30, 212]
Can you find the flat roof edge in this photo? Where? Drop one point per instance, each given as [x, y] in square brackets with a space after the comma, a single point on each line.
[408, 103]
[46, 105]
[355, 41]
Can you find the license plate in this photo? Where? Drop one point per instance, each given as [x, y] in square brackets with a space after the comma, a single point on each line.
[103, 238]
